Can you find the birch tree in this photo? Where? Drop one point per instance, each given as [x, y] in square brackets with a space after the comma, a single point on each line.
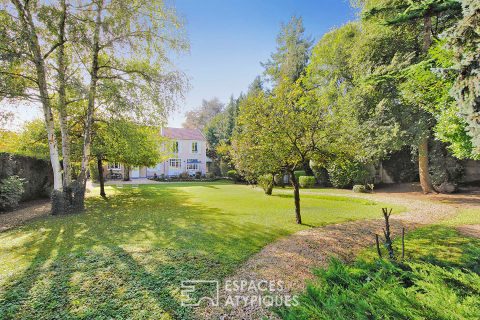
[24, 56]
[98, 51]
[128, 42]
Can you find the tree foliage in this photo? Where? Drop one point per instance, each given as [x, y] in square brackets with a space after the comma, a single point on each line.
[292, 53]
[465, 41]
[277, 132]
[199, 118]
[128, 143]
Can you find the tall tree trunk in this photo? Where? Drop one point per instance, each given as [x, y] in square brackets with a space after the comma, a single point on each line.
[58, 205]
[101, 178]
[126, 173]
[425, 181]
[296, 196]
[67, 176]
[62, 108]
[423, 167]
[79, 197]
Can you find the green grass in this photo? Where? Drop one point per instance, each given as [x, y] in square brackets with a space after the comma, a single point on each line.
[125, 258]
[464, 216]
[439, 279]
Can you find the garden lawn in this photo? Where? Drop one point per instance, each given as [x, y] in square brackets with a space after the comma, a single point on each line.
[125, 257]
[463, 217]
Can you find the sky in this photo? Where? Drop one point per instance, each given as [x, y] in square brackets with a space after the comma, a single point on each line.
[228, 40]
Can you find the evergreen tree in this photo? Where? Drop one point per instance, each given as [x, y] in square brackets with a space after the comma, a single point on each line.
[466, 45]
[292, 53]
[407, 15]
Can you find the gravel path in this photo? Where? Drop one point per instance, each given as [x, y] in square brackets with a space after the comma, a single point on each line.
[292, 258]
[470, 230]
[27, 211]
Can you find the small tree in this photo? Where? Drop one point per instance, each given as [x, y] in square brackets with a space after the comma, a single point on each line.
[128, 143]
[278, 132]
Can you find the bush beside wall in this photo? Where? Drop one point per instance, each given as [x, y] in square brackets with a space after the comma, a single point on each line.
[11, 190]
[36, 173]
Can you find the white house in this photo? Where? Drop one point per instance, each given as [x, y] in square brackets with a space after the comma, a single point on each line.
[187, 150]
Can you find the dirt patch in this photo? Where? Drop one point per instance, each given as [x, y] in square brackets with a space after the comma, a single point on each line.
[470, 230]
[467, 197]
[27, 211]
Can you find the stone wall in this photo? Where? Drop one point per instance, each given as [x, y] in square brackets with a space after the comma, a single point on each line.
[37, 173]
[472, 171]
[400, 168]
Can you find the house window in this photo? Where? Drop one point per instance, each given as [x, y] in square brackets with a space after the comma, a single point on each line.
[113, 165]
[194, 147]
[175, 163]
[175, 147]
[192, 166]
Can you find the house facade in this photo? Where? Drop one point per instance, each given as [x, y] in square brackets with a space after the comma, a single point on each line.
[186, 151]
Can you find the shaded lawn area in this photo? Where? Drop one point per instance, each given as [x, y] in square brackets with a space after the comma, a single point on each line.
[125, 258]
[439, 279]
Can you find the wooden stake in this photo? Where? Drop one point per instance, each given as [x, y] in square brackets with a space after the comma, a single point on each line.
[378, 246]
[386, 232]
[403, 243]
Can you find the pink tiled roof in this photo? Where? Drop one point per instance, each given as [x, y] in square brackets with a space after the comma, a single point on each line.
[183, 134]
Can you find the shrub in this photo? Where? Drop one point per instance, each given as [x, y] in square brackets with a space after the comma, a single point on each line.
[11, 190]
[278, 179]
[266, 182]
[224, 168]
[184, 175]
[306, 181]
[232, 174]
[359, 188]
[198, 175]
[408, 291]
[210, 175]
[345, 173]
[320, 173]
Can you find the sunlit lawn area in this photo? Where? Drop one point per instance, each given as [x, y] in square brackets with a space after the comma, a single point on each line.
[464, 216]
[125, 258]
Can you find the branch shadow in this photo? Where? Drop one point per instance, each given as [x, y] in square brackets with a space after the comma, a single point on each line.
[127, 257]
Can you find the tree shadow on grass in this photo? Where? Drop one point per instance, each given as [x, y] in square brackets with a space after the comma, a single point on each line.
[126, 258]
[18, 290]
